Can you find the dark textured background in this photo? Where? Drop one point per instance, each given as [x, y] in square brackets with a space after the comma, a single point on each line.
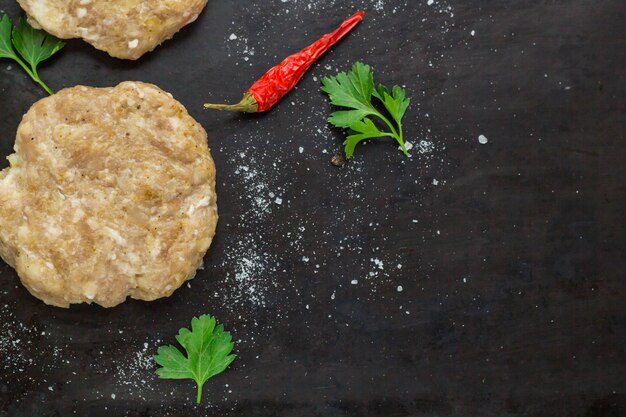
[512, 252]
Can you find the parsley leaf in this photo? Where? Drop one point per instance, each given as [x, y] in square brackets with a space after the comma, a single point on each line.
[354, 90]
[365, 129]
[6, 50]
[33, 46]
[396, 104]
[208, 350]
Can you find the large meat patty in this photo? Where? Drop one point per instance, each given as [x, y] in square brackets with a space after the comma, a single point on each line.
[123, 28]
[110, 194]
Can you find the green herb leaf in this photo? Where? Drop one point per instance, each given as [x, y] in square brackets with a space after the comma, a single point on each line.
[6, 50]
[208, 350]
[346, 118]
[355, 90]
[34, 46]
[397, 103]
[365, 129]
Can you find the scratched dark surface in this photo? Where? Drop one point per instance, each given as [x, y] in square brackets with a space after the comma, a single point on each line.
[511, 252]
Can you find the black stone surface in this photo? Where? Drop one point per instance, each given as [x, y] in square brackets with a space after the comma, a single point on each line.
[512, 252]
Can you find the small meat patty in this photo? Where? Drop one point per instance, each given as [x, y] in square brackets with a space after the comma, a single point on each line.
[110, 194]
[124, 28]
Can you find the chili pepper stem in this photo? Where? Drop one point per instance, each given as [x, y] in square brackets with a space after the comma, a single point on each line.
[247, 104]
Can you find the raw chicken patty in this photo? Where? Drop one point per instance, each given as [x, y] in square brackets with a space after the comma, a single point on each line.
[110, 194]
[124, 28]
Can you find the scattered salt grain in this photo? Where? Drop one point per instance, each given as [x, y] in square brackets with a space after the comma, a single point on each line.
[378, 263]
[354, 282]
[232, 37]
[426, 146]
[400, 289]
[482, 139]
[132, 369]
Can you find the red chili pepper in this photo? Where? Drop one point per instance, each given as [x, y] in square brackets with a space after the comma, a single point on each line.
[281, 79]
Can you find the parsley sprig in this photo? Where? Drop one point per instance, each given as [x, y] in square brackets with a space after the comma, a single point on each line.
[208, 350]
[33, 46]
[355, 90]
